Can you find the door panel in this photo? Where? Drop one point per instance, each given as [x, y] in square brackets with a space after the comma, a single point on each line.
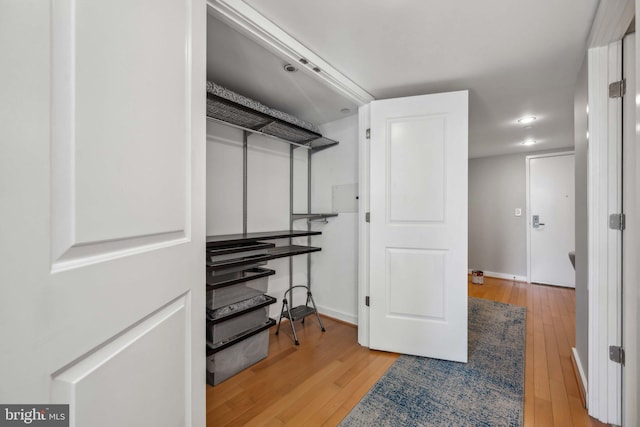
[408, 266]
[552, 198]
[118, 175]
[103, 210]
[416, 155]
[143, 358]
[418, 249]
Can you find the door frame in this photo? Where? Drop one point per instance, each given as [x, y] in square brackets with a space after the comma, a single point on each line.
[528, 202]
[364, 123]
[604, 390]
[631, 251]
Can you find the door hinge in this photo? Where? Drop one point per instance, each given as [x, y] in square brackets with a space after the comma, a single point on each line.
[366, 300]
[616, 354]
[367, 217]
[367, 134]
[617, 89]
[617, 221]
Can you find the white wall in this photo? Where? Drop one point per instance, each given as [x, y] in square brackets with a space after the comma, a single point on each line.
[497, 238]
[334, 269]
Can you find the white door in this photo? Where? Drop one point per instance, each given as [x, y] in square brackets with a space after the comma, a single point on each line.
[551, 223]
[418, 226]
[102, 209]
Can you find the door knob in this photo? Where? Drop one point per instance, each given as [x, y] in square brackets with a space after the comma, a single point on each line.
[535, 221]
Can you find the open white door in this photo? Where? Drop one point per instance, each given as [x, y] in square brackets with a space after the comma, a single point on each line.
[102, 209]
[418, 226]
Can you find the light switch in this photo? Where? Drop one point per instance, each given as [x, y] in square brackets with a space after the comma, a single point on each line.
[518, 212]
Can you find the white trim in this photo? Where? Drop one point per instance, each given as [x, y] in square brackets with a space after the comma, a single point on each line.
[583, 377]
[251, 23]
[611, 22]
[604, 129]
[613, 283]
[339, 315]
[364, 123]
[528, 202]
[631, 235]
[505, 276]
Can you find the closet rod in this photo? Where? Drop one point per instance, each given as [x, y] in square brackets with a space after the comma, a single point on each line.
[258, 132]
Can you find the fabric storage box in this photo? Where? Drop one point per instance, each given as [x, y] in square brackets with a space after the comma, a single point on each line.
[226, 360]
[238, 286]
[229, 321]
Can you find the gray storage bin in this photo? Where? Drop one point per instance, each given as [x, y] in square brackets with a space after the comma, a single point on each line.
[219, 332]
[238, 286]
[239, 356]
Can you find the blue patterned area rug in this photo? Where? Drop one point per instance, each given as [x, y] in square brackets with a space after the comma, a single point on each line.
[486, 391]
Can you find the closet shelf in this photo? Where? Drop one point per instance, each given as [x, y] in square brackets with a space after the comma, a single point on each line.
[218, 282]
[313, 216]
[254, 260]
[248, 262]
[287, 251]
[226, 239]
[243, 117]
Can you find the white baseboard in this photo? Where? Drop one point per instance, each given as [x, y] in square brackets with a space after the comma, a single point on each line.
[582, 377]
[505, 276]
[339, 315]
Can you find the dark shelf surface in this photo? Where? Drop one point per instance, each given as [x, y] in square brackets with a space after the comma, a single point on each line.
[238, 248]
[312, 216]
[321, 144]
[226, 239]
[256, 121]
[249, 261]
[285, 251]
[217, 282]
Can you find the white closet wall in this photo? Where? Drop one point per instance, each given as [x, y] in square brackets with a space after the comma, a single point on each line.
[334, 270]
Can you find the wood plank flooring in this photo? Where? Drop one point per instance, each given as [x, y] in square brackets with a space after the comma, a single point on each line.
[319, 382]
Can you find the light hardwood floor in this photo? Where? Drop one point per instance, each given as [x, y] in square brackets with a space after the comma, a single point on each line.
[320, 381]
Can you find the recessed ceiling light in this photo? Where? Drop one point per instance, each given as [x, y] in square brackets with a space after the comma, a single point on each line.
[345, 111]
[527, 119]
[528, 142]
[290, 68]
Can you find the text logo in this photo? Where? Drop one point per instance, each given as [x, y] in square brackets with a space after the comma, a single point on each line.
[34, 415]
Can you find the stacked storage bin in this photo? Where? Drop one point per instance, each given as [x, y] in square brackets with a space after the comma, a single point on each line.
[237, 308]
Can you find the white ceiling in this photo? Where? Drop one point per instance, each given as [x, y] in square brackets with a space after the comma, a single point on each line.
[240, 64]
[515, 57]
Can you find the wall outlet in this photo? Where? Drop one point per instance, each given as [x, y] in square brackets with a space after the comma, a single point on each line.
[518, 212]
